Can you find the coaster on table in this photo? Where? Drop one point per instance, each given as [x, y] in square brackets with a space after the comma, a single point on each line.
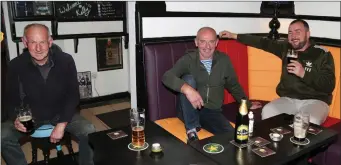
[213, 148]
[133, 148]
[250, 142]
[303, 143]
[259, 141]
[280, 130]
[314, 130]
[263, 151]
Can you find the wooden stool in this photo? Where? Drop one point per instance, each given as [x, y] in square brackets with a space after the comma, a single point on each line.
[41, 139]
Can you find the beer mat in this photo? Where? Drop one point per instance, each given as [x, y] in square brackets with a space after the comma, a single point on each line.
[263, 151]
[280, 130]
[117, 135]
[213, 148]
[133, 148]
[242, 145]
[314, 130]
[259, 141]
[303, 143]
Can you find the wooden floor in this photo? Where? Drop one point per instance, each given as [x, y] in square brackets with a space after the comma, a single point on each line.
[90, 114]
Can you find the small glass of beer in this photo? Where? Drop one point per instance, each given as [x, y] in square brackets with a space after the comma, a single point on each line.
[137, 121]
[301, 126]
[25, 117]
[291, 55]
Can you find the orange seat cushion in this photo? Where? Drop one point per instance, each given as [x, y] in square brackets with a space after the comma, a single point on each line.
[177, 128]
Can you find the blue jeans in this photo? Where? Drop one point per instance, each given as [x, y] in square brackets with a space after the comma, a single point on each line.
[78, 127]
[210, 119]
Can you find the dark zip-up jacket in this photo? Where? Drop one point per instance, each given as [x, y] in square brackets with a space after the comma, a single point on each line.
[210, 87]
[319, 78]
[58, 96]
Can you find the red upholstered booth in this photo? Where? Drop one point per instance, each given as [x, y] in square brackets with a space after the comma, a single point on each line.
[239, 57]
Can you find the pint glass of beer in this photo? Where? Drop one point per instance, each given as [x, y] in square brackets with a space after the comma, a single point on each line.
[292, 55]
[301, 126]
[25, 117]
[137, 121]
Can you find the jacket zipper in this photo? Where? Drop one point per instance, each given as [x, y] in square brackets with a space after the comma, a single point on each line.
[208, 91]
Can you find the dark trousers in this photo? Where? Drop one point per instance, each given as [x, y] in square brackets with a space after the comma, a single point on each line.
[13, 155]
[210, 119]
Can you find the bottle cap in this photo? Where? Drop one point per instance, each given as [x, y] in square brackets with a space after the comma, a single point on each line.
[251, 115]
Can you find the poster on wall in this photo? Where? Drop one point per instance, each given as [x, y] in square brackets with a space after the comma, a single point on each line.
[109, 53]
[84, 82]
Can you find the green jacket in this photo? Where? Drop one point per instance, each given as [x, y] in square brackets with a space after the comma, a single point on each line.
[319, 78]
[211, 87]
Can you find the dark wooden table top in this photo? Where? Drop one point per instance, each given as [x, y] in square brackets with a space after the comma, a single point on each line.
[286, 152]
[108, 151]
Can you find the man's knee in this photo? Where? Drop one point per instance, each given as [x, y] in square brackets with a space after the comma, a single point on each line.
[8, 133]
[269, 110]
[189, 79]
[87, 128]
[316, 120]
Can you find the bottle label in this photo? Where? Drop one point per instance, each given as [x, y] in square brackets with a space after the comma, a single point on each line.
[242, 132]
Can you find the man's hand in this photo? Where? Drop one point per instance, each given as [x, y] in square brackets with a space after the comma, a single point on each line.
[227, 34]
[193, 96]
[255, 105]
[19, 126]
[296, 68]
[58, 132]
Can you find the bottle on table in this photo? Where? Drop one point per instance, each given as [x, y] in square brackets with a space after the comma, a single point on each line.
[241, 134]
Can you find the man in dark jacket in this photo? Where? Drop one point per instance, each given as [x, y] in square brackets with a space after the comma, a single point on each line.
[49, 85]
[201, 76]
[307, 83]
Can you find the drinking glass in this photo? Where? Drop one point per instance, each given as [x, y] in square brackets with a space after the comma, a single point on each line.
[25, 117]
[137, 121]
[301, 125]
[291, 55]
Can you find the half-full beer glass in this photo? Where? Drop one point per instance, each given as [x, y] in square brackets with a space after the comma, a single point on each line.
[25, 117]
[301, 125]
[137, 120]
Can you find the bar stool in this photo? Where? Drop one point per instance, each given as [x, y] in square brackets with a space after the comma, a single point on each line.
[41, 139]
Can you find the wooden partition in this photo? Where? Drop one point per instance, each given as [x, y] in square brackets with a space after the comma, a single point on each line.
[265, 71]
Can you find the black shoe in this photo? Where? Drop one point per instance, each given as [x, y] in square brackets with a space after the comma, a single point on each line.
[191, 137]
[198, 129]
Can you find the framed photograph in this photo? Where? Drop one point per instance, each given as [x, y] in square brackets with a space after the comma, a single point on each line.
[85, 87]
[109, 53]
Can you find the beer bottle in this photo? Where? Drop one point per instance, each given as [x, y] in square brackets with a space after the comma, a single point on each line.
[241, 134]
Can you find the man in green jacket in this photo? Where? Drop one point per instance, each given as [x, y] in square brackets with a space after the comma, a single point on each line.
[201, 76]
[306, 84]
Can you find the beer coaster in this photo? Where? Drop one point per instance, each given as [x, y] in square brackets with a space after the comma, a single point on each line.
[303, 143]
[242, 145]
[133, 148]
[213, 148]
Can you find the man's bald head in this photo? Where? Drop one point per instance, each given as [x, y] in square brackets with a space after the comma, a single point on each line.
[205, 30]
[206, 41]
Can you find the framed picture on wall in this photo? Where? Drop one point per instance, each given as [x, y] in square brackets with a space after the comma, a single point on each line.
[109, 53]
[84, 83]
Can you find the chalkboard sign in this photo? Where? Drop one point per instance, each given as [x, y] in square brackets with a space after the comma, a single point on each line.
[89, 10]
[24, 9]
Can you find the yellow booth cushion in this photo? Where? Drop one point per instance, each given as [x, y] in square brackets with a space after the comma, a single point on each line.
[177, 128]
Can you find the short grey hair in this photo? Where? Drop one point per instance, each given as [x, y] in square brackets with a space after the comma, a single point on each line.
[35, 25]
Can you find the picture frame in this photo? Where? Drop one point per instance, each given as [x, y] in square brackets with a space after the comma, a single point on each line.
[85, 84]
[109, 53]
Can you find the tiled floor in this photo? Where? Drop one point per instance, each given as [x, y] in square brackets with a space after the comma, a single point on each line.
[90, 114]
